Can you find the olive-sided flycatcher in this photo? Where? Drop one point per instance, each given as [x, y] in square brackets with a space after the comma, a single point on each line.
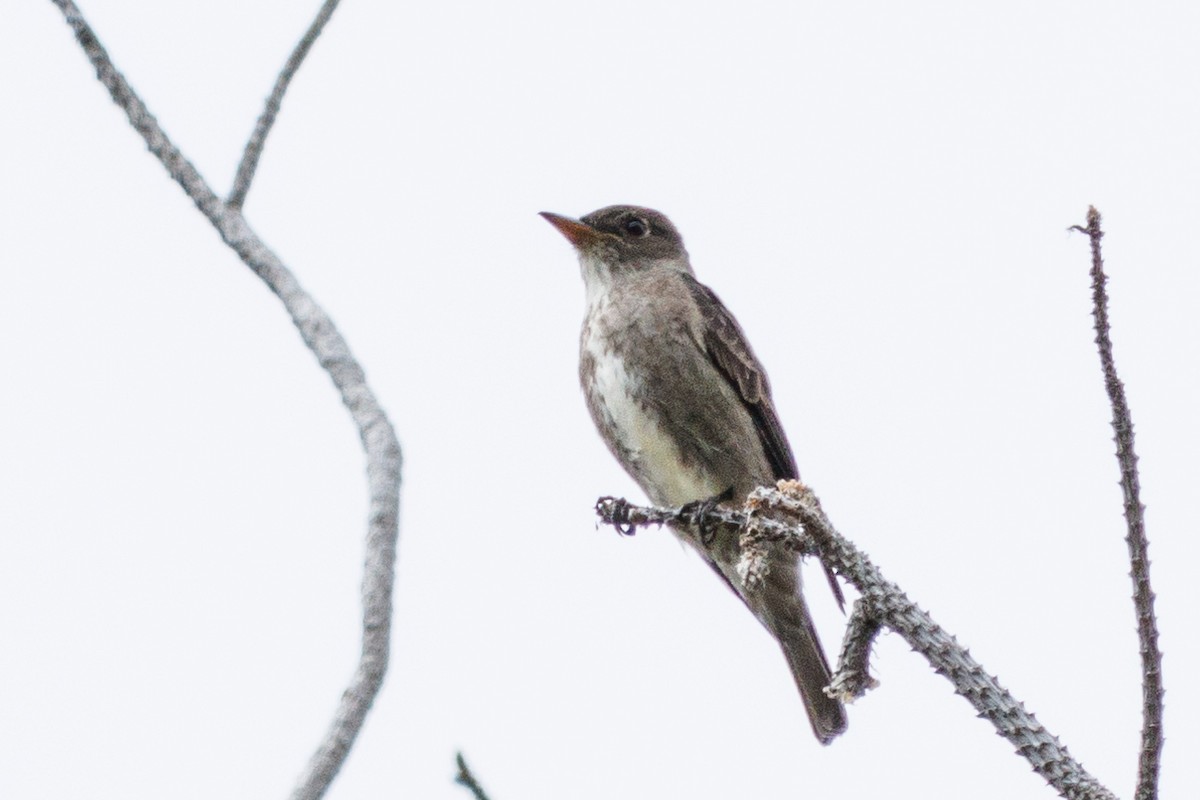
[681, 401]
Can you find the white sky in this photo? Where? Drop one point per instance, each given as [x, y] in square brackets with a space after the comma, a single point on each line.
[879, 191]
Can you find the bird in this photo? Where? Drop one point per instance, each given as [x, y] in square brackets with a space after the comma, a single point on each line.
[684, 405]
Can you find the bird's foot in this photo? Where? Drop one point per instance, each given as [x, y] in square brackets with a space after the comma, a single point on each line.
[697, 511]
[615, 511]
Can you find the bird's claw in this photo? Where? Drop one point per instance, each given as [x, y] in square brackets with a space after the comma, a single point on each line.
[615, 511]
[697, 511]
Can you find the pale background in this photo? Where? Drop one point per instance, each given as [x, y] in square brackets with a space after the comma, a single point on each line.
[879, 191]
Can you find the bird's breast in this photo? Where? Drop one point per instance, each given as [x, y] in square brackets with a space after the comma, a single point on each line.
[617, 388]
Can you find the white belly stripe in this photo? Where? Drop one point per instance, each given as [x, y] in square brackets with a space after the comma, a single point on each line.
[658, 459]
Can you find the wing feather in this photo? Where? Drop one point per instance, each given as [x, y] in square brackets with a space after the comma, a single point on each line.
[726, 345]
[728, 349]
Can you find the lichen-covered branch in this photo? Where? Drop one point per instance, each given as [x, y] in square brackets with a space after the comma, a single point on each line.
[333, 354]
[790, 516]
[1143, 595]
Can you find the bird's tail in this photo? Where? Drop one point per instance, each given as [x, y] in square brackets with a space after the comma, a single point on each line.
[779, 604]
[810, 668]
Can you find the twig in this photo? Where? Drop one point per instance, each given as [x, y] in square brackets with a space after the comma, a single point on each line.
[467, 779]
[254, 147]
[1143, 595]
[792, 516]
[322, 337]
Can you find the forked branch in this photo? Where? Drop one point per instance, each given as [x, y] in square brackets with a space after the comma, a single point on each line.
[258, 139]
[323, 338]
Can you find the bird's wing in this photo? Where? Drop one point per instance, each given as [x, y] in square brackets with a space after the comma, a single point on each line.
[726, 346]
[729, 351]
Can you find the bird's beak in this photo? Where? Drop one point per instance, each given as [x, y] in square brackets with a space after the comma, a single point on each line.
[578, 233]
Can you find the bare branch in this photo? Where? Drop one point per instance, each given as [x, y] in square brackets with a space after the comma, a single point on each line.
[791, 516]
[254, 147]
[466, 778]
[1143, 595]
[322, 337]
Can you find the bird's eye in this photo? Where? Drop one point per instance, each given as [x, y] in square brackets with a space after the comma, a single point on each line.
[637, 227]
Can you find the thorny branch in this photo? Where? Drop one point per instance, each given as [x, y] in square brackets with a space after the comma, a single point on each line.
[1143, 595]
[322, 337]
[791, 516]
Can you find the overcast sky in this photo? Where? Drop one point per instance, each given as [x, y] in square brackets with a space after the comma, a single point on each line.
[881, 192]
